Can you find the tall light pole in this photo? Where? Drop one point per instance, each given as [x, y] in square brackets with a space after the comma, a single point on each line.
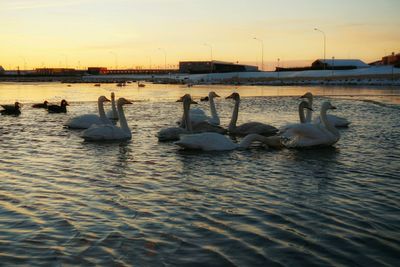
[323, 33]
[262, 52]
[115, 59]
[211, 50]
[278, 67]
[165, 57]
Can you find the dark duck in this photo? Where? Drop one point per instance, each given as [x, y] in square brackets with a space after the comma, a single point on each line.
[41, 105]
[62, 108]
[11, 109]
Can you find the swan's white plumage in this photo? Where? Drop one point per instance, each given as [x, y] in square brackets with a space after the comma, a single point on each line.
[113, 113]
[206, 142]
[335, 120]
[310, 134]
[110, 132]
[198, 115]
[87, 120]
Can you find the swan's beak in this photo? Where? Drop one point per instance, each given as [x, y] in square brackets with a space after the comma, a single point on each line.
[128, 102]
[333, 107]
[179, 100]
[107, 100]
[216, 95]
[309, 108]
[193, 102]
[229, 97]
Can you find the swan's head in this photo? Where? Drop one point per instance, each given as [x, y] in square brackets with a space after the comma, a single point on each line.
[45, 102]
[64, 103]
[186, 99]
[17, 105]
[212, 94]
[327, 105]
[235, 96]
[307, 95]
[122, 101]
[112, 95]
[103, 99]
[305, 105]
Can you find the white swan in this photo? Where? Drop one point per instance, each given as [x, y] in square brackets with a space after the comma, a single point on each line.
[216, 142]
[198, 115]
[172, 133]
[112, 114]
[335, 120]
[302, 106]
[249, 127]
[109, 132]
[309, 135]
[87, 120]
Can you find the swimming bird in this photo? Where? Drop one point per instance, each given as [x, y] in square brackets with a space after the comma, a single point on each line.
[172, 133]
[87, 120]
[109, 132]
[41, 105]
[335, 120]
[216, 142]
[11, 109]
[312, 134]
[249, 127]
[113, 114]
[198, 115]
[62, 108]
[302, 106]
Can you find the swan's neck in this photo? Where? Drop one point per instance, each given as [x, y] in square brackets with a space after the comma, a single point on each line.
[232, 124]
[301, 114]
[249, 139]
[101, 109]
[327, 124]
[213, 108]
[114, 110]
[186, 116]
[309, 112]
[122, 119]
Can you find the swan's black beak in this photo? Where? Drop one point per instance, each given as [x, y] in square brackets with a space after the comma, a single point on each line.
[179, 100]
[309, 108]
[229, 97]
[193, 102]
[107, 100]
[129, 102]
[217, 95]
[333, 107]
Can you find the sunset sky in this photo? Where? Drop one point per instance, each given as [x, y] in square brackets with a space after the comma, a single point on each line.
[129, 33]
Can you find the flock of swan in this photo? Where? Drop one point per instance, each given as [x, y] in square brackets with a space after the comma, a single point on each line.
[196, 130]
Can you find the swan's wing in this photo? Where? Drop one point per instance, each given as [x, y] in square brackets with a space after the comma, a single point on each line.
[104, 133]
[110, 114]
[206, 142]
[257, 128]
[197, 111]
[170, 134]
[84, 121]
[306, 135]
[338, 121]
[204, 126]
[8, 107]
[334, 120]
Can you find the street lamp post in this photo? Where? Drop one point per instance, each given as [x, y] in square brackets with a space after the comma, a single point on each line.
[165, 57]
[115, 59]
[278, 67]
[323, 33]
[211, 50]
[262, 52]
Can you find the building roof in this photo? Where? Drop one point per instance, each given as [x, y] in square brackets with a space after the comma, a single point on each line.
[344, 62]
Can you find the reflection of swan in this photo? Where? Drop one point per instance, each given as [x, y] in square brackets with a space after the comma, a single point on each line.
[335, 120]
[11, 109]
[215, 141]
[87, 120]
[109, 132]
[172, 133]
[62, 108]
[307, 134]
[41, 105]
[249, 127]
[198, 115]
[112, 114]
[303, 105]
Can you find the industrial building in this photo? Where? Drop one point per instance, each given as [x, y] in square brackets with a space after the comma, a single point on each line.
[339, 64]
[198, 67]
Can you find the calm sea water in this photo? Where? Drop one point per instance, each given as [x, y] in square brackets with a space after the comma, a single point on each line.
[143, 203]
